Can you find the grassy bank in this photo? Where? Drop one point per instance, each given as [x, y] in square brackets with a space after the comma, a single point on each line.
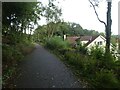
[12, 55]
[97, 69]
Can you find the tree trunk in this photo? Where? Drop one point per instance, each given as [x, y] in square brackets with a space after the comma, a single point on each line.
[108, 28]
[48, 30]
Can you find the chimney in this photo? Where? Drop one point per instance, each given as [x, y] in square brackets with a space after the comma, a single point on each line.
[64, 37]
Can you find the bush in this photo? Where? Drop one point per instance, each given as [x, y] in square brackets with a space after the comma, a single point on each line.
[57, 43]
[81, 48]
[76, 59]
[106, 79]
[104, 60]
[25, 48]
[117, 69]
[10, 54]
[96, 69]
[97, 52]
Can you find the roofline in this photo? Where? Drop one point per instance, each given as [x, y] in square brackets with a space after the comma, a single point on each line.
[92, 41]
[102, 38]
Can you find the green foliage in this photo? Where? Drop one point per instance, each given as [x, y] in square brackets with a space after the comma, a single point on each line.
[81, 48]
[57, 43]
[108, 62]
[52, 12]
[97, 52]
[113, 40]
[117, 69]
[106, 79]
[98, 68]
[18, 19]
[19, 11]
[7, 73]
[74, 59]
[105, 60]
[99, 71]
[61, 28]
[11, 54]
[25, 48]
[40, 34]
[75, 29]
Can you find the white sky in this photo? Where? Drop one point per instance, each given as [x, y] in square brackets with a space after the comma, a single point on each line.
[79, 11]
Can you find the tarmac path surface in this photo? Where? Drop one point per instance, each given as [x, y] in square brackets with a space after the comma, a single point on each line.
[41, 69]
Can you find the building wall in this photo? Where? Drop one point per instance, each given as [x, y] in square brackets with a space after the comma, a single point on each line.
[100, 41]
[84, 42]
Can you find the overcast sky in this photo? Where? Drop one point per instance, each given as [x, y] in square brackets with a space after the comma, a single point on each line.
[79, 11]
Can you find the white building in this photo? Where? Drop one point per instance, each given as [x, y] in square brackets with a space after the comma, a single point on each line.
[92, 41]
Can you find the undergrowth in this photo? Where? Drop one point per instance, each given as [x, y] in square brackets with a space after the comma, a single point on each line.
[98, 69]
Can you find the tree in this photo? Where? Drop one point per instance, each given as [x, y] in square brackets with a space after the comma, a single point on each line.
[17, 18]
[62, 28]
[95, 3]
[40, 33]
[52, 15]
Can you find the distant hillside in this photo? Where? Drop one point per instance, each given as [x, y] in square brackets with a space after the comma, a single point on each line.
[68, 28]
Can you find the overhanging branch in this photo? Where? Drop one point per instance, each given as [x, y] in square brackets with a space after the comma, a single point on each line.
[97, 14]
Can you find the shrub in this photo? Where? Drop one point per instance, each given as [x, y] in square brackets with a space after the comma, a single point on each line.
[25, 48]
[117, 69]
[104, 60]
[81, 48]
[106, 79]
[90, 66]
[98, 68]
[57, 43]
[97, 52]
[10, 54]
[94, 68]
[108, 61]
[76, 59]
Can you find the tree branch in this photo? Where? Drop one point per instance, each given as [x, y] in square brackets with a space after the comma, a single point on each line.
[97, 13]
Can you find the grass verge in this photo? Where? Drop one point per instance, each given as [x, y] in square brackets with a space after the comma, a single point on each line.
[12, 56]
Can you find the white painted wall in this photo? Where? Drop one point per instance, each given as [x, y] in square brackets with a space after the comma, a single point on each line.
[64, 37]
[103, 40]
[84, 42]
[97, 41]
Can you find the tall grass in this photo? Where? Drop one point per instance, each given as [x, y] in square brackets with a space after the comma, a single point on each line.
[100, 70]
[11, 56]
[57, 43]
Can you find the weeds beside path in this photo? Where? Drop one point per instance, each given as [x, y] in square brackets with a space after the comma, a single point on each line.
[98, 69]
[42, 69]
[12, 56]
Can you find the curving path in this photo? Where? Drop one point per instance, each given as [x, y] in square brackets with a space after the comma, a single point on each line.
[41, 69]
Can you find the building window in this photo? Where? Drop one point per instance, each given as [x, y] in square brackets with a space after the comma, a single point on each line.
[100, 42]
[95, 42]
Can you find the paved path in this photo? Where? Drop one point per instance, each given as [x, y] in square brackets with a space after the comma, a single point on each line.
[42, 69]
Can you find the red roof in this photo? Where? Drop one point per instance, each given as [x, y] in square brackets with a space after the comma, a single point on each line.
[72, 39]
[85, 38]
